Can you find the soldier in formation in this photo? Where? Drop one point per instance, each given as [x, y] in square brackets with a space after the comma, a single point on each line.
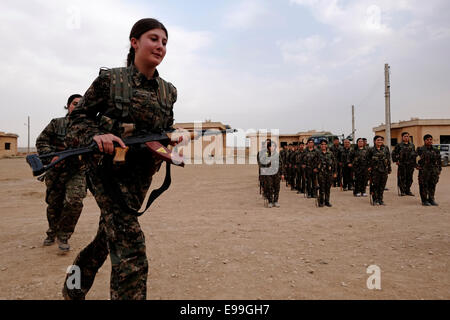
[309, 165]
[358, 158]
[404, 155]
[429, 166]
[66, 182]
[336, 149]
[300, 172]
[269, 162]
[379, 162]
[347, 172]
[326, 166]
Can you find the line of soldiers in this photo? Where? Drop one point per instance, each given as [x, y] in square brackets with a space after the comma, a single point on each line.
[311, 170]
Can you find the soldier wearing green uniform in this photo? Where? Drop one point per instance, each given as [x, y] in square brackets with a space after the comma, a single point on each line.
[429, 166]
[404, 155]
[309, 164]
[379, 161]
[122, 102]
[347, 172]
[292, 167]
[66, 182]
[360, 169]
[300, 172]
[326, 166]
[269, 160]
[283, 153]
[336, 149]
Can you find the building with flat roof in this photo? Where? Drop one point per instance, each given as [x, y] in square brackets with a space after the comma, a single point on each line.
[8, 144]
[417, 128]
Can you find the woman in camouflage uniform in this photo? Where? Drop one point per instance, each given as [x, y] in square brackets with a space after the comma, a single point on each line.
[121, 102]
[359, 165]
[379, 159]
[66, 182]
[326, 165]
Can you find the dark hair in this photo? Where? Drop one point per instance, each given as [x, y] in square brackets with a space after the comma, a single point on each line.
[376, 137]
[323, 140]
[335, 138]
[359, 139]
[139, 28]
[71, 98]
[425, 137]
[404, 134]
[301, 142]
[364, 139]
[310, 139]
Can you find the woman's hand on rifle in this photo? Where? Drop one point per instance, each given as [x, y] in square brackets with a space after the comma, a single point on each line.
[105, 142]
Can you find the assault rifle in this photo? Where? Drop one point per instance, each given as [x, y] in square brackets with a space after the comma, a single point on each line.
[154, 141]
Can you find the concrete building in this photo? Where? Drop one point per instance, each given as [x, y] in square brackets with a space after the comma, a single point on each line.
[417, 128]
[208, 147]
[8, 144]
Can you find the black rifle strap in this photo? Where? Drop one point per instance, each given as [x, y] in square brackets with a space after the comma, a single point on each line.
[113, 190]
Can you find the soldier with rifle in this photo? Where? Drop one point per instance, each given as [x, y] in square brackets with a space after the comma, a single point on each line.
[404, 155]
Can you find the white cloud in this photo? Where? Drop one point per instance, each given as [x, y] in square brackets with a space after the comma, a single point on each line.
[245, 14]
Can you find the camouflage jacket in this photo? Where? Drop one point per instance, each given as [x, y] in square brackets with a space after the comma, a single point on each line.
[345, 156]
[379, 160]
[429, 159]
[52, 137]
[358, 158]
[336, 152]
[310, 158]
[283, 154]
[299, 158]
[150, 108]
[405, 153]
[326, 163]
[269, 164]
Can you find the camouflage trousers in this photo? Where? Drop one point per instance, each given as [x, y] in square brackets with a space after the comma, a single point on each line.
[310, 181]
[271, 187]
[347, 177]
[379, 180]
[428, 180]
[337, 181]
[325, 180]
[405, 177]
[361, 178]
[65, 193]
[120, 236]
[300, 184]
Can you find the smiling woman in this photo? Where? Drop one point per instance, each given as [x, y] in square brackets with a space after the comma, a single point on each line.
[121, 102]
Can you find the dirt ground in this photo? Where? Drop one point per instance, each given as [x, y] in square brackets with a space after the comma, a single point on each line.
[210, 237]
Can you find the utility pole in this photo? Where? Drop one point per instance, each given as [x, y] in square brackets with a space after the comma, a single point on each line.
[28, 135]
[387, 95]
[353, 124]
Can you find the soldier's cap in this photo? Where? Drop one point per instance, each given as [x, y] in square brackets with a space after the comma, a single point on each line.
[376, 137]
[427, 136]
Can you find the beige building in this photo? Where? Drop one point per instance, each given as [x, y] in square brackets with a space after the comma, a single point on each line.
[417, 128]
[8, 144]
[207, 147]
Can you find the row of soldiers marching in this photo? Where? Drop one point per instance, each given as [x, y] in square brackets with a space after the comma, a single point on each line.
[312, 171]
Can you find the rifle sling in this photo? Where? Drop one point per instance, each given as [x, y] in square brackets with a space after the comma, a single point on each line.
[112, 188]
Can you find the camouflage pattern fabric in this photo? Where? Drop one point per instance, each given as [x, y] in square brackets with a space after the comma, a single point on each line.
[337, 150]
[379, 161]
[347, 173]
[405, 154]
[119, 233]
[327, 168]
[66, 184]
[429, 170]
[358, 158]
[310, 159]
[300, 174]
[270, 175]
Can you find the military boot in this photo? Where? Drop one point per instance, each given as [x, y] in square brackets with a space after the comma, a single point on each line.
[49, 241]
[432, 202]
[63, 245]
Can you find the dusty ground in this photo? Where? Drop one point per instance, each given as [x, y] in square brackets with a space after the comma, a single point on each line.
[211, 238]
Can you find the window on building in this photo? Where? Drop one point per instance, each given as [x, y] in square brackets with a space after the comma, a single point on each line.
[393, 142]
[7, 146]
[445, 139]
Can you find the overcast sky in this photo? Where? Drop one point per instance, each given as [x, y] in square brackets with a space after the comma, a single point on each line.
[292, 65]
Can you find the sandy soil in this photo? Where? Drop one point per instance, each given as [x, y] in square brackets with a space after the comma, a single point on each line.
[211, 238]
